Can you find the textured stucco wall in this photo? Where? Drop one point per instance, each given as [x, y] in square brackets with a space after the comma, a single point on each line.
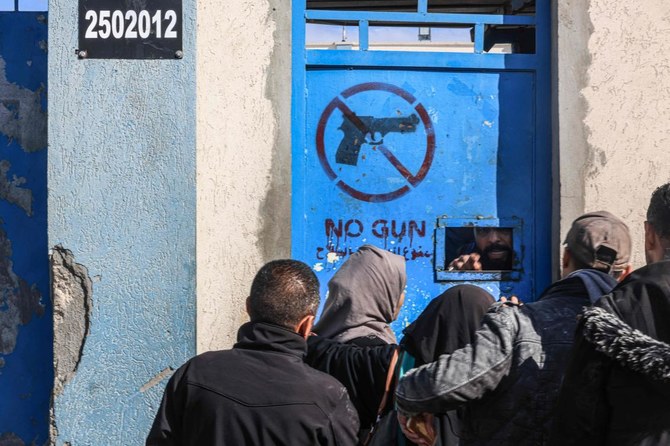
[614, 108]
[244, 174]
[628, 118]
[121, 176]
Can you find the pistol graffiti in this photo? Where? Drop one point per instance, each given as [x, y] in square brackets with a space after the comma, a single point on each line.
[359, 130]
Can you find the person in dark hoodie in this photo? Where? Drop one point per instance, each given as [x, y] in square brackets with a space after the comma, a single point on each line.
[260, 392]
[364, 297]
[509, 376]
[448, 323]
[616, 390]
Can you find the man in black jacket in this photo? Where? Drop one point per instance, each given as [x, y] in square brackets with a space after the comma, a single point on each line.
[617, 387]
[510, 375]
[260, 392]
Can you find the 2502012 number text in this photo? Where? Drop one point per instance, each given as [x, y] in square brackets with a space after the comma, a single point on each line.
[106, 24]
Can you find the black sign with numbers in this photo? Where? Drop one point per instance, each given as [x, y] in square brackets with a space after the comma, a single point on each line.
[131, 29]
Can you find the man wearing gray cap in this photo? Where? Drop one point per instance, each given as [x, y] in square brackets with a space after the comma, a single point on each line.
[510, 375]
[616, 389]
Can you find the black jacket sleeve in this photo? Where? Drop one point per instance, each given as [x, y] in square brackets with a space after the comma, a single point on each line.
[165, 430]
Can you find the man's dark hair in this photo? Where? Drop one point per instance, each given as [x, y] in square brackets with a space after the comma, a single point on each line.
[658, 213]
[283, 292]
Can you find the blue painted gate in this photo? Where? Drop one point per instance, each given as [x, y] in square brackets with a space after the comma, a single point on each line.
[26, 358]
[410, 150]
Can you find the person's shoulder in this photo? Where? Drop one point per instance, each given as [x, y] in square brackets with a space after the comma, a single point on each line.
[212, 355]
[653, 278]
[322, 387]
[205, 359]
[317, 379]
[654, 274]
[504, 314]
[368, 341]
[318, 346]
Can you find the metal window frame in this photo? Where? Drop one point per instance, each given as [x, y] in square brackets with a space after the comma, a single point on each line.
[441, 261]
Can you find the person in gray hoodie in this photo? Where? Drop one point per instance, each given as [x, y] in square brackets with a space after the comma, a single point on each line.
[509, 377]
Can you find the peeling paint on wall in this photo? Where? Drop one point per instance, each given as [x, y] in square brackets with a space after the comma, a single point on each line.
[26, 361]
[72, 290]
[11, 190]
[19, 301]
[21, 115]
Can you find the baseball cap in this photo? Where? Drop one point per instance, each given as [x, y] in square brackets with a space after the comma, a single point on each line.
[600, 240]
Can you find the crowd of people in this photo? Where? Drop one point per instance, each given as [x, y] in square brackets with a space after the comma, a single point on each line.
[586, 363]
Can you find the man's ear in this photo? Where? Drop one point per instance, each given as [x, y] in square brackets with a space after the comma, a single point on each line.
[566, 257]
[627, 271]
[649, 237]
[304, 327]
[653, 247]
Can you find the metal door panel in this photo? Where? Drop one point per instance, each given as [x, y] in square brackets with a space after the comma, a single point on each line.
[478, 168]
[26, 359]
[398, 149]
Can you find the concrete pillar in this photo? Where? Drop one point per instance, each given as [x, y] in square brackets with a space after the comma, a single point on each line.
[122, 231]
[244, 155]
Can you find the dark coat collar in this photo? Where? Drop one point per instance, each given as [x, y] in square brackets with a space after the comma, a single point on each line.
[657, 273]
[269, 337]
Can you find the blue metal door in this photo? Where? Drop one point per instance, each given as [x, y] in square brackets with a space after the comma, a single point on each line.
[26, 359]
[423, 152]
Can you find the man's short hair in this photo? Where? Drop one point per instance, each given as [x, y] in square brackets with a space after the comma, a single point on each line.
[658, 213]
[600, 241]
[283, 292]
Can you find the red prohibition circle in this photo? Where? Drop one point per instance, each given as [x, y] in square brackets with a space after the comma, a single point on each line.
[412, 179]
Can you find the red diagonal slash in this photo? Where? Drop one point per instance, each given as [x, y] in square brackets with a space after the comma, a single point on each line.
[351, 116]
[360, 125]
[397, 164]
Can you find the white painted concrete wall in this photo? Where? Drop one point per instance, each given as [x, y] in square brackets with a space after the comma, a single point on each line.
[614, 108]
[244, 97]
